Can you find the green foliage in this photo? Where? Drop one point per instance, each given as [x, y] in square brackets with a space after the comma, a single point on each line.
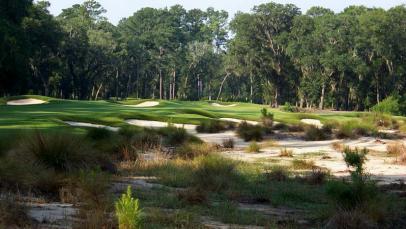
[214, 173]
[174, 136]
[390, 105]
[128, 212]
[355, 159]
[354, 129]
[313, 133]
[289, 108]
[62, 152]
[211, 126]
[250, 132]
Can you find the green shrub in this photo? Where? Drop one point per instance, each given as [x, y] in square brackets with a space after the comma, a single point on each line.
[214, 173]
[174, 136]
[289, 108]
[390, 105]
[253, 147]
[98, 133]
[313, 133]
[250, 132]
[128, 212]
[211, 126]
[355, 159]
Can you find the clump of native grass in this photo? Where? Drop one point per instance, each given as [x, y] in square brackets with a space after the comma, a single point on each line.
[253, 147]
[398, 150]
[286, 153]
[250, 132]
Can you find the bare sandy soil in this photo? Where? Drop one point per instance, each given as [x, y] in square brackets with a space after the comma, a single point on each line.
[24, 102]
[90, 125]
[145, 104]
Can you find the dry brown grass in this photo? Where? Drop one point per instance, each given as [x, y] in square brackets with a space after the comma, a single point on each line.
[286, 153]
[398, 150]
[269, 143]
[338, 146]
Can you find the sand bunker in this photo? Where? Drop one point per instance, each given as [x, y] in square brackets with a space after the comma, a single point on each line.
[90, 125]
[145, 104]
[313, 122]
[157, 124]
[239, 121]
[22, 102]
[220, 105]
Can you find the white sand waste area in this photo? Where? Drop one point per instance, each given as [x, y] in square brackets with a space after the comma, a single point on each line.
[158, 124]
[239, 121]
[382, 167]
[145, 104]
[313, 122]
[221, 105]
[22, 102]
[53, 215]
[90, 125]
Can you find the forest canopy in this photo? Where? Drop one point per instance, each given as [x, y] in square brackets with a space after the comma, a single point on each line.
[275, 54]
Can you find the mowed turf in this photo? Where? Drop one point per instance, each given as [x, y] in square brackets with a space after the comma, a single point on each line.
[50, 116]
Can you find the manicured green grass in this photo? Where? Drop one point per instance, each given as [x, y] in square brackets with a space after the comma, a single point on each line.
[49, 116]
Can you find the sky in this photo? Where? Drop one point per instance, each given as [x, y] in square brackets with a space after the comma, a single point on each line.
[118, 9]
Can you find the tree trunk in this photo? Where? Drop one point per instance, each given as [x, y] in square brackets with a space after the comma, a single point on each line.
[222, 84]
[378, 98]
[276, 97]
[251, 88]
[174, 83]
[117, 85]
[160, 84]
[98, 91]
[323, 90]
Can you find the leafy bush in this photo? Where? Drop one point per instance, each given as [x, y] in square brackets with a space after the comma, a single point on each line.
[128, 212]
[214, 173]
[253, 147]
[250, 132]
[212, 126]
[390, 105]
[313, 133]
[228, 143]
[129, 131]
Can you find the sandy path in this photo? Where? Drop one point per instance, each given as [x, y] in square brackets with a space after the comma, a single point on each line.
[220, 105]
[158, 124]
[23, 102]
[145, 104]
[239, 121]
[313, 122]
[90, 125]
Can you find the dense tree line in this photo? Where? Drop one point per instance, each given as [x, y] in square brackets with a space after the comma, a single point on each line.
[274, 54]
